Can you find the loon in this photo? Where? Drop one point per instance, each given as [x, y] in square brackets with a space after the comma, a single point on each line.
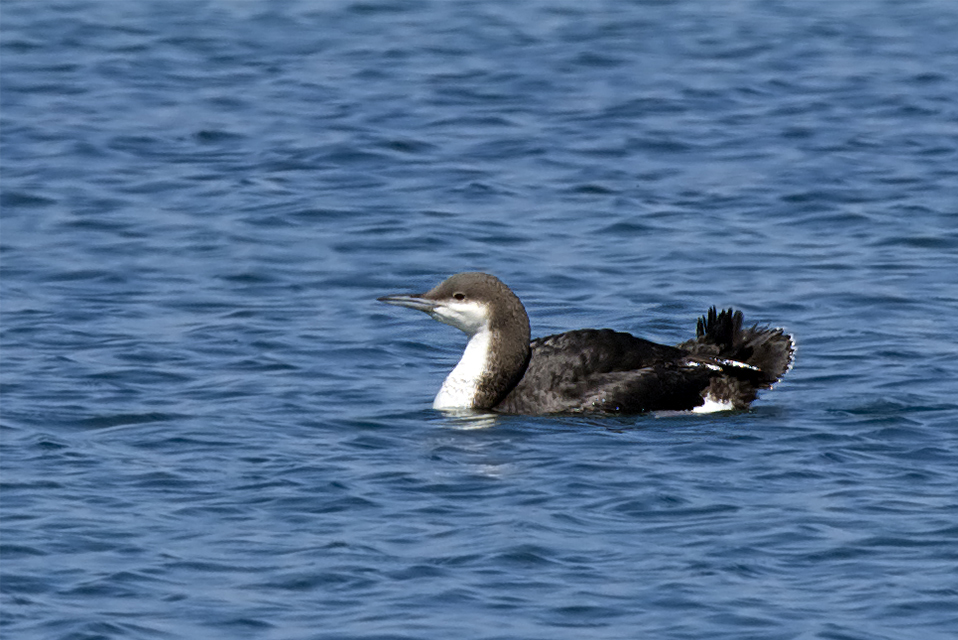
[597, 371]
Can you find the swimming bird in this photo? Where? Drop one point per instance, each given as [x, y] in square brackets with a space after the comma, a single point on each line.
[593, 370]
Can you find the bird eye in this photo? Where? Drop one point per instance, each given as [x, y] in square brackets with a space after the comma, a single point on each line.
[459, 296]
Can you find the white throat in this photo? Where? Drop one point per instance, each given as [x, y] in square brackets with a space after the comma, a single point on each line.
[462, 384]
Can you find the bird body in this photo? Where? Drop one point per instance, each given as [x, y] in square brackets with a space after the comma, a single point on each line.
[593, 370]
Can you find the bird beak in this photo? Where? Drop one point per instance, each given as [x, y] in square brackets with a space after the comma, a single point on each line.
[413, 301]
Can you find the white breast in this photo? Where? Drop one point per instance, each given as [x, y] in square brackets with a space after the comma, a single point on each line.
[459, 389]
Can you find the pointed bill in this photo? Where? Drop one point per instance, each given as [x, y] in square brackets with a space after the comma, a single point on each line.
[413, 301]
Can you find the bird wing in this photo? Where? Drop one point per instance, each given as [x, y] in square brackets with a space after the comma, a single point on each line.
[606, 371]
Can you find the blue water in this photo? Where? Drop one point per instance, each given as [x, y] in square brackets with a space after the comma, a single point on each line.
[210, 429]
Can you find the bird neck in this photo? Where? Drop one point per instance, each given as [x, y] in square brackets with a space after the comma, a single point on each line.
[491, 365]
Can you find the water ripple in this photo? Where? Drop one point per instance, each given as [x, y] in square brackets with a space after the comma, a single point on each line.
[211, 429]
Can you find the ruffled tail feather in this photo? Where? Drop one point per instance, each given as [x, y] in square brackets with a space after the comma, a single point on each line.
[719, 334]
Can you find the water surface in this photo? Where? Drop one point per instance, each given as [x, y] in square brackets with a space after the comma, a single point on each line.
[210, 428]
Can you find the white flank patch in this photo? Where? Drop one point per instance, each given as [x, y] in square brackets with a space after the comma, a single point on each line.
[712, 405]
[459, 389]
[736, 363]
[707, 365]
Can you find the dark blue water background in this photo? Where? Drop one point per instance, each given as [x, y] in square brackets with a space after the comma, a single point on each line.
[210, 429]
